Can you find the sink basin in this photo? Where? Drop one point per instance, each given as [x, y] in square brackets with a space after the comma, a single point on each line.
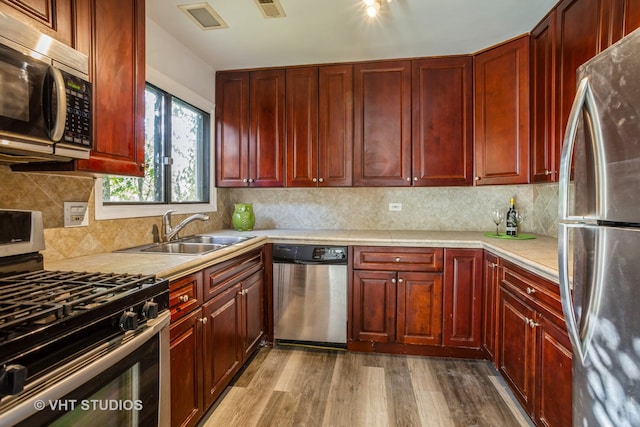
[216, 240]
[193, 245]
[182, 248]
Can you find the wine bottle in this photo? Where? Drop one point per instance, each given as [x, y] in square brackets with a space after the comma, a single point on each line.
[512, 223]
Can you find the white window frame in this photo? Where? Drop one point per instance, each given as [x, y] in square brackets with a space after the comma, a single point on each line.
[108, 211]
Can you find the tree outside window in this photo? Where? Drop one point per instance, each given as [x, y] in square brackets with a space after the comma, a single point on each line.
[176, 156]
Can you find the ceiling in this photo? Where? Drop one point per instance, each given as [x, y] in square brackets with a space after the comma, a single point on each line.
[325, 31]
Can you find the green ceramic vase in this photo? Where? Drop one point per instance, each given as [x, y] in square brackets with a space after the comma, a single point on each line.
[243, 218]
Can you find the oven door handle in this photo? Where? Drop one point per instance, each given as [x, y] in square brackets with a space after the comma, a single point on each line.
[98, 360]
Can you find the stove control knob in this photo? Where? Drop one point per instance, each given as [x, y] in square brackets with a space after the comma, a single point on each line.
[150, 310]
[12, 379]
[129, 321]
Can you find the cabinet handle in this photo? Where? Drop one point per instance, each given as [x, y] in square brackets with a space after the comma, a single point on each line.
[183, 298]
[530, 290]
[398, 259]
[203, 320]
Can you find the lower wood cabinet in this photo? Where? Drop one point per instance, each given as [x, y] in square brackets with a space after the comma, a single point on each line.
[416, 300]
[534, 353]
[211, 343]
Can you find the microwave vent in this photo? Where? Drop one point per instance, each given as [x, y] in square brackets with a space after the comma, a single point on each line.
[271, 8]
[204, 16]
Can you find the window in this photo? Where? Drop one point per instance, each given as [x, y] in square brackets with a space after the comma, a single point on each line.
[176, 153]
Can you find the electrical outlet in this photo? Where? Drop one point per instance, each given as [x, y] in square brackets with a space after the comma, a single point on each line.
[395, 207]
[76, 214]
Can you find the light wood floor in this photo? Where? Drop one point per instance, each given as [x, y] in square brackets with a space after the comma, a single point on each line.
[294, 386]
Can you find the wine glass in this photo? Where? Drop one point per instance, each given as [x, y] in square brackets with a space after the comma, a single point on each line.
[520, 217]
[498, 216]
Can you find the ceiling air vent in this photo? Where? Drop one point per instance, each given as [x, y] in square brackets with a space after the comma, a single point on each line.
[271, 8]
[204, 16]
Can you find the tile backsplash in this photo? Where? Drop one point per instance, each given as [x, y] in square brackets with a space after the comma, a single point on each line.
[424, 208]
[441, 208]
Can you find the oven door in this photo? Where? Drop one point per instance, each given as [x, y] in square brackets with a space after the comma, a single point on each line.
[123, 383]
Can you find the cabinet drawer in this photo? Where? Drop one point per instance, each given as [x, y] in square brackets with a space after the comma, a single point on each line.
[219, 276]
[185, 294]
[397, 259]
[541, 293]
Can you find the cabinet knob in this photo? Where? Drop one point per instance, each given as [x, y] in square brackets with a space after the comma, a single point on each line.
[314, 180]
[530, 290]
[477, 178]
[393, 280]
[415, 178]
[203, 320]
[245, 180]
[408, 178]
[398, 259]
[533, 324]
[493, 265]
[183, 298]
[251, 180]
[400, 280]
[321, 180]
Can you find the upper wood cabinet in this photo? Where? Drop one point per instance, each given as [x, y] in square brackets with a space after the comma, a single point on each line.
[579, 34]
[502, 114]
[442, 108]
[250, 128]
[544, 149]
[118, 76]
[319, 122]
[54, 18]
[382, 117]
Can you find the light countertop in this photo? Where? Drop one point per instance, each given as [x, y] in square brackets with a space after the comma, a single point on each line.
[539, 255]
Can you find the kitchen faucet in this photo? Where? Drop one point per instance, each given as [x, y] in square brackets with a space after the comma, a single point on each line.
[169, 233]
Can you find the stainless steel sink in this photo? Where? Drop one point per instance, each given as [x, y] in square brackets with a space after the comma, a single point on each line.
[183, 248]
[193, 245]
[216, 240]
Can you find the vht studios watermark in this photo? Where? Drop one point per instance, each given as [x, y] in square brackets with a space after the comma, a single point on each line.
[67, 405]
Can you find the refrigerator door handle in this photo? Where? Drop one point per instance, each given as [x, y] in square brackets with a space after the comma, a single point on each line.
[584, 101]
[580, 336]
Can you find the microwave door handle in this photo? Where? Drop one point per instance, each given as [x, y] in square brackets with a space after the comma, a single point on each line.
[61, 113]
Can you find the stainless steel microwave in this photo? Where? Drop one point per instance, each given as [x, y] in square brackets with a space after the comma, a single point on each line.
[45, 101]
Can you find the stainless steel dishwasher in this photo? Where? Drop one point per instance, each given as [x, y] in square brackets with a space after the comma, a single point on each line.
[310, 294]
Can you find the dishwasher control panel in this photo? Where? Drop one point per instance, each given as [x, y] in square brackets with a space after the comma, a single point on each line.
[301, 254]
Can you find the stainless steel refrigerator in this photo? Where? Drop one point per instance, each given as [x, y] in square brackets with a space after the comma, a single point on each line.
[599, 237]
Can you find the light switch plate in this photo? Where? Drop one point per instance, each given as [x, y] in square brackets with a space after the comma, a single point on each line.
[76, 214]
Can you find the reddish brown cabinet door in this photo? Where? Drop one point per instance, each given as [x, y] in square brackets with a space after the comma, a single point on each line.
[302, 126]
[579, 34]
[491, 283]
[335, 126]
[517, 347]
[545, 150]
[382, 130]
[374, 306]
[419, 308]
[222, 355]
[118, 76]
[232, 129]
[54, 18]
[252, 313]
[631, 14]
[553, 376]
[462, 298]
[502, 114]
[266, 128]
[186, 370]
[442, 137]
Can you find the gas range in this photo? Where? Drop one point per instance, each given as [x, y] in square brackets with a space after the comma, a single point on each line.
[58, 324]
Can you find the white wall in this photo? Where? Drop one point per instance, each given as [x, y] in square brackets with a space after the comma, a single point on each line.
[174, 60]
